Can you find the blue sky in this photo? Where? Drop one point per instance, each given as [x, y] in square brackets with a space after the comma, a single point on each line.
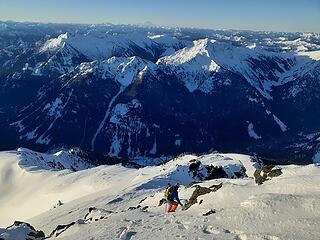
[276, 15]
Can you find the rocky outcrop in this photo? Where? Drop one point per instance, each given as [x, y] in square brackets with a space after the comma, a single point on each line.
[24, 231]
[96, 214]
[20, 231]
[194, 168]
[242, 173]
[60, 229]
[209, 213]
[201, 171]
[138, 207]
[198, 192]
[265, 173]
[142, 200]
[162, 201]
[58, 204]
[215, 172]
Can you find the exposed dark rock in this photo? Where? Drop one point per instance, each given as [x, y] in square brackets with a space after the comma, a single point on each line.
[241, 173]
[133, 208]
[265, 173]
[191, 184]
[144, 208]
[162, 201]
[215, 187]
[143, 200]
[58, 204]
[194, 165]
[90, 210]
[209, 213]
[132, 165]
[194, 168]
[60, 229]
[19, 223]
[275, 173]
[198, 192]
[259, 179]
[56, 165]
[215, 172]
[32, 234]
[96, 214]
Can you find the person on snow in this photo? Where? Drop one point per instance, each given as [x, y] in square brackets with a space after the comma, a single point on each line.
[173, 198]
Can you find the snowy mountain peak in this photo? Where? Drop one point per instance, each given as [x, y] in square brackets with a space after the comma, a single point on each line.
[194, 65]
[199, 54]
[122, 69]
[260, 68]
[55, 43]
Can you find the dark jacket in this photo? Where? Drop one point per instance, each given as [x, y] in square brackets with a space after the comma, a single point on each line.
[175, 196]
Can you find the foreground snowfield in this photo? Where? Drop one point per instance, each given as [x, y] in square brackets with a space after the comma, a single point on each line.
[285, 207]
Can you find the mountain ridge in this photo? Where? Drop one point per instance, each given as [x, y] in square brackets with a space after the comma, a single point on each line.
[161, 93]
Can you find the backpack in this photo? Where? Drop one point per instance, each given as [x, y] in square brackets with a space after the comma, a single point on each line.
[168, 192]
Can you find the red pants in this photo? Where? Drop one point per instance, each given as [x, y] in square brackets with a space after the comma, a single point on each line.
[172, 206]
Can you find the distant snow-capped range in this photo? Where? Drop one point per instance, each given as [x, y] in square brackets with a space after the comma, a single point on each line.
[149, 92]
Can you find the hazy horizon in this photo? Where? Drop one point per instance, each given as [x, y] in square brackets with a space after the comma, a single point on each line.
[277, 16]
[151, 24]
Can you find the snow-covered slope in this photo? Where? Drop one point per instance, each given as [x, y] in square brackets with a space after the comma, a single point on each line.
[104, 46]
[114, 202]
[193, 65]
[27, 189]
[60, 160]
[25, 168]
[262, 69]
[123, 70]
[315, 55]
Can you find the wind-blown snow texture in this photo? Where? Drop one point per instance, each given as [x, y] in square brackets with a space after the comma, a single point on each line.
[95, 203]
[144, 93]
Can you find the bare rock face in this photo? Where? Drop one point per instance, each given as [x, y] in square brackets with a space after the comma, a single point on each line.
[266, 173]
[198, 192]
[58, 204]
[162, 201]
[60, 229]
[212, 211]
[21, 230]
[96, 214]
[215, 172]
[201, 172]
[194, 168]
